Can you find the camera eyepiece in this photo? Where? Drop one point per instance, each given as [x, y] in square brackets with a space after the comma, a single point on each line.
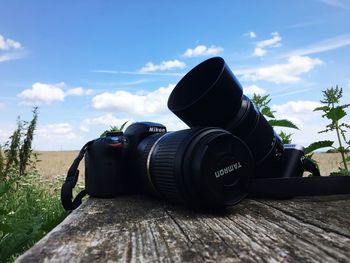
[210, 95]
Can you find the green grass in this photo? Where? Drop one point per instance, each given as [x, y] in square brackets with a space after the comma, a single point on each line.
[29, 208]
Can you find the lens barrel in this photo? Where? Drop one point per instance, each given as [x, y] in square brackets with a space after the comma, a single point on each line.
[210, 95]
[206, 167]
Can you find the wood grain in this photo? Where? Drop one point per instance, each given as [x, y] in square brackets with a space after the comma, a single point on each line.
[141, 229]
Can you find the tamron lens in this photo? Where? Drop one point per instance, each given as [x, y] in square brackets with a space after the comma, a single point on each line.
[207, 167]
[210, 95]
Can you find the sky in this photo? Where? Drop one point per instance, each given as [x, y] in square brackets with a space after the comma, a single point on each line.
[89, 65]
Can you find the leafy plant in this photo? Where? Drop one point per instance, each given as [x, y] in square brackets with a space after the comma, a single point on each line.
[335, 112]
[114, 129]
[262, 103]
[18, 151]
[27, 213]
[12, 149]
[25, 151]
[29, 207]
[2, 165]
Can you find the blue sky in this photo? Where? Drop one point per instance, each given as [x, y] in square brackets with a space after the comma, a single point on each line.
[92, 64]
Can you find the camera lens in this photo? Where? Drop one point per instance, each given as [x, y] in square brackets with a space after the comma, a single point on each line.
[206, 167]
[210, 95]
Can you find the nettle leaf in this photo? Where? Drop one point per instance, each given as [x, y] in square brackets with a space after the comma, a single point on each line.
[335, 114]
[323, 108]
[318, 145]
[283, 123]
[267, 112]
[123, 125]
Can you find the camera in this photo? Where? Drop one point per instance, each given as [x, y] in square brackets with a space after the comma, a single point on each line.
[202, 166]
[230, 151]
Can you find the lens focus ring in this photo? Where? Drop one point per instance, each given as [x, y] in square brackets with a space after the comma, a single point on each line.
[163, 165]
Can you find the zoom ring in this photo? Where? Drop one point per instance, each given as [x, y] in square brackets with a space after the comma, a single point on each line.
[163, 165]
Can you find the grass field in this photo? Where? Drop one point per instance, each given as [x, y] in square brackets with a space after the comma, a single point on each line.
[55, 164]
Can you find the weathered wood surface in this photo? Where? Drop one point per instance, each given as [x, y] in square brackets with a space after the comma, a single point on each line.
[141, 229]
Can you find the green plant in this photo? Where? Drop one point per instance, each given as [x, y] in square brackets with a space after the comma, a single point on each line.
[25, 151]
[2, 165]
[12, 149]
[29, 206]
[27, 213]
[114, 129]
[335, 112]
[262, 103]
[18, 151]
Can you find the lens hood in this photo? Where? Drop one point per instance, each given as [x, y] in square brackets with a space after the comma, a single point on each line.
[208, 95]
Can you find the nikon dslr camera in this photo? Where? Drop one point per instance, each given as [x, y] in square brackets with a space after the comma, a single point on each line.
[229, 151]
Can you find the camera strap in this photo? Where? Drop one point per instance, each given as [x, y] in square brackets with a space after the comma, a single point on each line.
[71, 180]
[301, 186]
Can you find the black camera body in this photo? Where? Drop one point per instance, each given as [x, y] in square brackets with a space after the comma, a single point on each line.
[199, 166]
[230, 151]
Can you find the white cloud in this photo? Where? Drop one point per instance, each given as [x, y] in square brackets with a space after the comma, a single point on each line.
[5, 133]
[78, 92]
[149, 106]
[10, 49]
[282, 73]
[105, 120]
[136, 104]
[337, 3]
[9, 44]
[309, 122]
[164, 65]
[58, 136]
[261, 46]
[259, 52]
[322, 46]
[253, 89]
[202, 50]
[252, 34]
[42, 93]
[296, 107]
[275, 41]
[10, 56]
[56, 130]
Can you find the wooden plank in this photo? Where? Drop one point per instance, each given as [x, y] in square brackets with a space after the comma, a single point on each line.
[141, 229]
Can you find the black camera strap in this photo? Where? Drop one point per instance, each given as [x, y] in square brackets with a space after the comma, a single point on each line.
[301, 186]
[71, 180]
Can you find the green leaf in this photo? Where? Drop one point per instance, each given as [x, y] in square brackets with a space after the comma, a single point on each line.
[283, 123]
[323, 108]
[318, 145]
[347, 159]
[123, 125]
[267, 112]
[4, 187]
[335, 114]
[285, 137]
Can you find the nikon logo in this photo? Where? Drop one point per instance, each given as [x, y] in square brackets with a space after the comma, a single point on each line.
[156, 129]
[228, 169]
